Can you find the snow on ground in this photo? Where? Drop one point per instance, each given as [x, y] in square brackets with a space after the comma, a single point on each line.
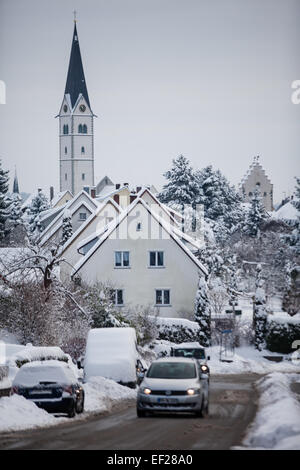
[248, 360]
[17, 413]
[277, 422]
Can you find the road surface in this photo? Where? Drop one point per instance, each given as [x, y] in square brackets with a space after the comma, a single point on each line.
[232, 408]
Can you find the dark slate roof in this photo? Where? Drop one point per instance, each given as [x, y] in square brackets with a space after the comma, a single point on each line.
[75, 80]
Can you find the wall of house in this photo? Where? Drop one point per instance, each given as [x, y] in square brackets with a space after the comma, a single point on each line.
[139, 281]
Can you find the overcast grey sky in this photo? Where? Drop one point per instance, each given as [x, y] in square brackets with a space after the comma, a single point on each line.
[210, 79]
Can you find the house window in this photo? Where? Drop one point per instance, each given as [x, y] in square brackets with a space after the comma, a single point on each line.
[83, 176]
[82, 150]
[117, 297]
[265, 194]
[121, 259]
[156, 258]
[66, 129]
[82, 216]
[162, 297]
[139, 226]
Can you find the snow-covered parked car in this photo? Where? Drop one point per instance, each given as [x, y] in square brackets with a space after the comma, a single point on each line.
[111, 353]
[51, 385]
[192, 350]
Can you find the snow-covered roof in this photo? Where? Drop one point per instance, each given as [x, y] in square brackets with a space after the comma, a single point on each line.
[115, 223]
[287, 212]
[49, 212]
[52, 227]
[87, 223]
[59, 196]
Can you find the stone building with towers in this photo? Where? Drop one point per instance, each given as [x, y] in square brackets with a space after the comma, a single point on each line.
[76, 128]
[256, 178]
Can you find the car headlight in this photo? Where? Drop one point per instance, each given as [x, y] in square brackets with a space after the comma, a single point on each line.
[147, 391]
[204, 368]
[193, 391]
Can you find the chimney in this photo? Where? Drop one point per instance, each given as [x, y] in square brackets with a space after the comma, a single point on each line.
[126, 184]
[138, 189]
[118, 186]
[93, 193]
[51, 193]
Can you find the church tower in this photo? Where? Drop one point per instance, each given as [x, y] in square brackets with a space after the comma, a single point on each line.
[76, 128]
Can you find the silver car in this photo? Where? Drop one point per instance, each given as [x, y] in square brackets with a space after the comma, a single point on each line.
[174, 384]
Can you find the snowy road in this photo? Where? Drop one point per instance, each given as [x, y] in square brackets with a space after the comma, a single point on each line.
[232, 408]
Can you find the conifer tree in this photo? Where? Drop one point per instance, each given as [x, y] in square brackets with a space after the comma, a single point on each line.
[255, 216]
[182, 187]
[38, 204]
[260, 313]
[67, 229]
[203, 312]
[4, 202]
[15, 210]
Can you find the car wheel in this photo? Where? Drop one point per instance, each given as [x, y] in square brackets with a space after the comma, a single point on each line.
[80, 404]
[72, 410]
[140, 413]
[199, 413]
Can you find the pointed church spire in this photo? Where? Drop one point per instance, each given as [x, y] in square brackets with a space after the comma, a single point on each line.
[16, 183]
[75, 79]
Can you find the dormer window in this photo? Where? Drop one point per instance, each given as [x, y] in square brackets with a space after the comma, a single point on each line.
[66, 129]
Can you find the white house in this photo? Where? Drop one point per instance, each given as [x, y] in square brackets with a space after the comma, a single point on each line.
[88, 232]
[80, 207]
[144, 260]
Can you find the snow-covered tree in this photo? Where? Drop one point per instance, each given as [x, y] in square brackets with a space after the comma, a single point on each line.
[4, 202]
[256, 215]
[15, 210]
[202, 312]
[67, 229]
[38, 204]
[296, 201]
[218, 197]
[182, 187]
[260, 313]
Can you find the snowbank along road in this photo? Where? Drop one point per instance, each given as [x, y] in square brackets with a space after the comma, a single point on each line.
[232, 408]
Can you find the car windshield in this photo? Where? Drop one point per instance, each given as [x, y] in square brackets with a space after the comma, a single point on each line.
[172, 370]
[197, 353]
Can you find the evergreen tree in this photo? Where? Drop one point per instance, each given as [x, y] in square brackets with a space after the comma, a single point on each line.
[296, 201]
[67, 229]
[260, 313]
[4, 202]
[203, 312]
[38, 204]
[182, 187]
[255, 216]
[15, 210]
[220, 200]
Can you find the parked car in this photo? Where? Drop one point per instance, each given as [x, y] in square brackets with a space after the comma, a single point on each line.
[112, 353]
[192, 350]
[174, 384]
[51, 385]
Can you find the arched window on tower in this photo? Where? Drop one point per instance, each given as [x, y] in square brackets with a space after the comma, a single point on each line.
[66, 150]
[80, 129]
[82, 150]
[66, 129]
[84, 129]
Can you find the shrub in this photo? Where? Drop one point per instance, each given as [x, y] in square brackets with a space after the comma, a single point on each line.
[281, 335]
[178, 330]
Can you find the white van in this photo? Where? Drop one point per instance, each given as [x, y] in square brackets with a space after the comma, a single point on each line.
[111, 353]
